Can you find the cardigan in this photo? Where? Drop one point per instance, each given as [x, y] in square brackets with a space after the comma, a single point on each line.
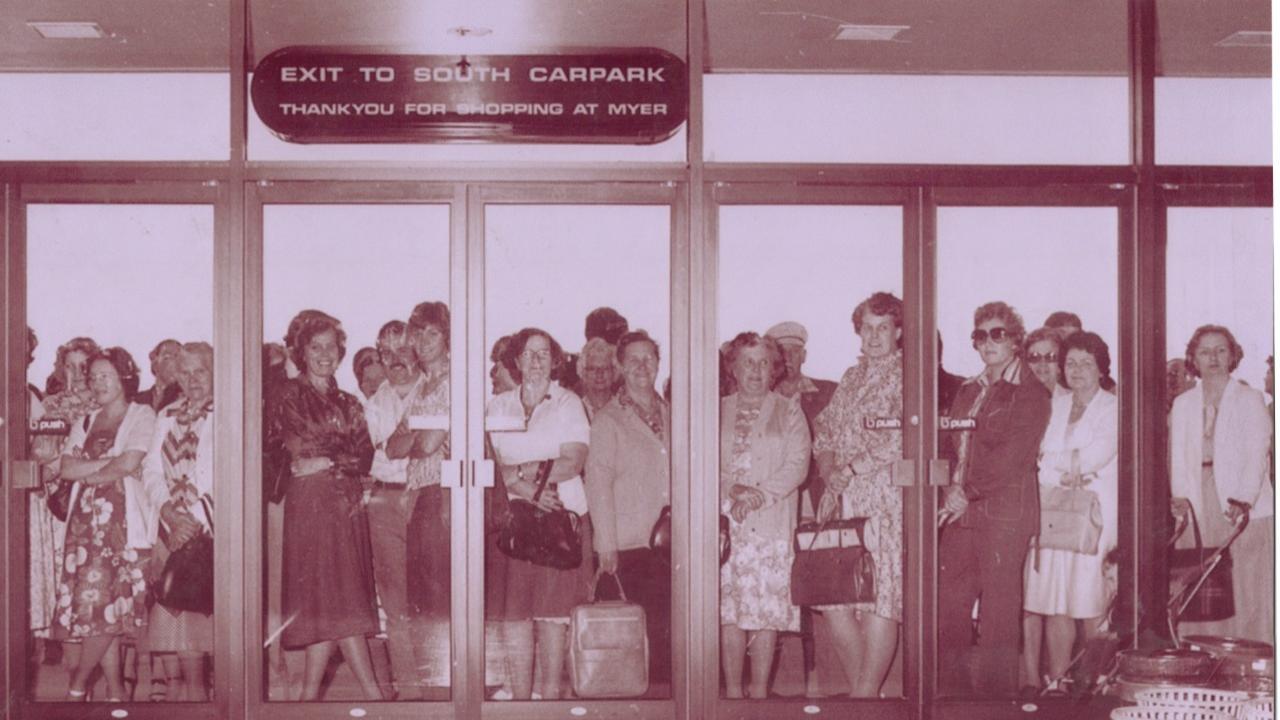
[780, 447]
[1240, 442]
[628, 477]
[134, 433]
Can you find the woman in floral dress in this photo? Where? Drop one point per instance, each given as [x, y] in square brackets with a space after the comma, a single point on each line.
[100, 595]
[856, 461]
[70, 403]
[764, 457]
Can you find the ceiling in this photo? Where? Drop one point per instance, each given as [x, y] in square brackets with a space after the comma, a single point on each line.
[1054, 37]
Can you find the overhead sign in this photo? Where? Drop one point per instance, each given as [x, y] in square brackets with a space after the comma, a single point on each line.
[326, 95]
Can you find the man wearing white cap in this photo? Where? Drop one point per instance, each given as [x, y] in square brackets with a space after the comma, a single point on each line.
[791, 337]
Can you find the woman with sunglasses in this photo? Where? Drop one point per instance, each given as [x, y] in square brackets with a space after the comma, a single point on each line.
[990, 510]
[1041, 350]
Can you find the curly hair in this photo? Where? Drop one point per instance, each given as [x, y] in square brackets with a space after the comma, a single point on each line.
[431, 314]
[516, 347]
[636, 336]
[595, 346]
[1093, 344]
[57, 380]
[306, 325]
[750, 339]
[1053, 335]
[1012, 321]
[1237, 352]
[126, 369]
[880, 303]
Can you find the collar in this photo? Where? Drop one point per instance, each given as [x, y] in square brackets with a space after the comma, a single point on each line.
[806, 385]
[1012, 374]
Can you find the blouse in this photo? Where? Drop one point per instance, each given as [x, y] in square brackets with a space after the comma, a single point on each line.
[557, 420]
[134, 433]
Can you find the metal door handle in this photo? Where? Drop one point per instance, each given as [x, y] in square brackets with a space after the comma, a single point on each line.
[904, 473]
[483, 472]
[939, 472]
[451, 474]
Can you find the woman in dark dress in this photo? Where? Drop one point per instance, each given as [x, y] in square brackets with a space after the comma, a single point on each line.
[317, 435]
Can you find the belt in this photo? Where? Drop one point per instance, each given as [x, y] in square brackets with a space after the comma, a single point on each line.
[1207, 463]
[381, 485]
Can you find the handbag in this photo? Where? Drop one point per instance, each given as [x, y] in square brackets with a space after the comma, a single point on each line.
[550, 539]
[832, 565]
[186, 583]
[1215, 600]
[608, 647]
[58, 500]
[1070, 519]
[660, 536]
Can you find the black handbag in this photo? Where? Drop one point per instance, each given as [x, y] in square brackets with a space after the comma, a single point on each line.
[1215, 600]
[660, 536]
[550, 539]
[58, 500]
[832, 565]
[186, 583]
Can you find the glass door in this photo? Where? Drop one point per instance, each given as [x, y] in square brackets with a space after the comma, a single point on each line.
[1030, 355]
[583, 421]
[356, 521]
[120, 306]
[812, 327]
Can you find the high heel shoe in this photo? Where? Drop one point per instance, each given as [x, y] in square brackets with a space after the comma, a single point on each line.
[77, 695]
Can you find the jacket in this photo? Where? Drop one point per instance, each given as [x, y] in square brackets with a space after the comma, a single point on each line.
[1002, 479]
[1240, 442]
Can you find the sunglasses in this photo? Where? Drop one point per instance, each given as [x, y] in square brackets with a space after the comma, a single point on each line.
[997, 334]
[1038, 358]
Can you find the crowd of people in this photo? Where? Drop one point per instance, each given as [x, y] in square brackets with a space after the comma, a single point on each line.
[365, 522]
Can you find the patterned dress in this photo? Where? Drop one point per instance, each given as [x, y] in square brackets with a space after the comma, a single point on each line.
[755, 583]
[46, 531]
[103, 583]
[180, 630]
[328, 591]
[870, 391]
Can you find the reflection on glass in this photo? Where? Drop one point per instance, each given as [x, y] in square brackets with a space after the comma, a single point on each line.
[1034, 427]
[1221, 425]
[123, 487]
[593, 429]
[358, 525]
[799, 449]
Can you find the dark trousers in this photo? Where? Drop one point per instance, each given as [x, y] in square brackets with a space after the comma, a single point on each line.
[980, 562]
[647, 581]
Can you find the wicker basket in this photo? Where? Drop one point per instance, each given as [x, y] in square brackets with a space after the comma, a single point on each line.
[1167, 713]
[1263, 709]
[1193, 698]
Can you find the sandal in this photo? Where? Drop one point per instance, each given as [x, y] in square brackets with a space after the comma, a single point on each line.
[159, 691]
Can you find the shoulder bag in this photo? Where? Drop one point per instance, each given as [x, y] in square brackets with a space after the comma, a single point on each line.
[660, 536]
[1070, 517]
[550, 539]
[832, 565]
[186, 583]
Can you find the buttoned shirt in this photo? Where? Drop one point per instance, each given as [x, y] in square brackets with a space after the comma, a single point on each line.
[383, 413]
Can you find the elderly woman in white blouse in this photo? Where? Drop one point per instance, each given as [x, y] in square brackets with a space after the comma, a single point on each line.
[1078, 450]
[177, 472]
[1219, 433]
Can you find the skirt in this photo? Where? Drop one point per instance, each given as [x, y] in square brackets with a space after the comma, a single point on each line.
[327, 588]
[755, 584]
[543, 593]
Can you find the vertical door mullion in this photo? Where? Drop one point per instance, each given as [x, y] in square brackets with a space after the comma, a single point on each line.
[252, 552]
[469, 218]
[13, 525]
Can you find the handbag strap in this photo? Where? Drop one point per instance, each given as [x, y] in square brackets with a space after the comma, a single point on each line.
[206, 504]
[596, 581]
[544, 472]
[836, 516]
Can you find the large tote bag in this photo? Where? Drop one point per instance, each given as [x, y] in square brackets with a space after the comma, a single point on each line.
[608, 647]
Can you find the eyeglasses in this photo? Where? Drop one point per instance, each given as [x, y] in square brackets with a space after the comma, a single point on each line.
[997, 334]
[1037, 358]
[543, 355]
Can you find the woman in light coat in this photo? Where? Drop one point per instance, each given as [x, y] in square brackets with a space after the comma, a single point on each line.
[764, 457]
[1219, 434]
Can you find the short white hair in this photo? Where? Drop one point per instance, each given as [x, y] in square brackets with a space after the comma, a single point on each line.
[594, 346]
